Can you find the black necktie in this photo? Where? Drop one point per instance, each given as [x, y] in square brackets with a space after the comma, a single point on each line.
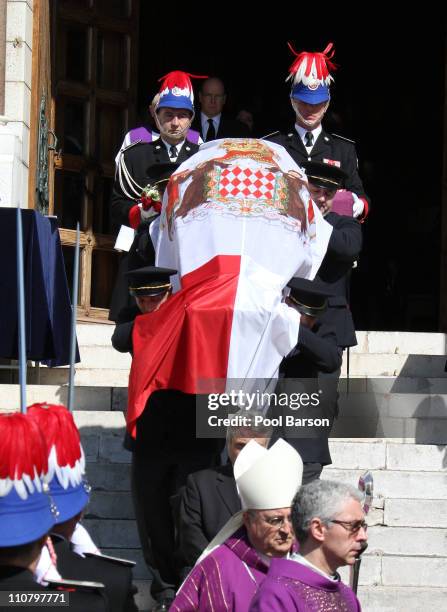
[173, 151]
[309, 138]
[211, 133]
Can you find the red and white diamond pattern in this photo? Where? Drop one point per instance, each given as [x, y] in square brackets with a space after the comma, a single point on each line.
[244, 182]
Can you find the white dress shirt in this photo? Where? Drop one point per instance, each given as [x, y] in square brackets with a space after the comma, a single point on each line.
[168, 146]
[300, 559]
[302, 133]
[205, 125]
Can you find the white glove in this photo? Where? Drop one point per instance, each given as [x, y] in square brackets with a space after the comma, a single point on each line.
[46, 569]
[358, 207]
[82, 542]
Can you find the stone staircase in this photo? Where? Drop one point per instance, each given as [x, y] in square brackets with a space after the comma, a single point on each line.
[393, 422]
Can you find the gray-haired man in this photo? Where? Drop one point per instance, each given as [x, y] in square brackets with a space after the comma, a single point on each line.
[329, 524]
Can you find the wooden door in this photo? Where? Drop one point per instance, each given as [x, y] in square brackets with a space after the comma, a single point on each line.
[94, 85]
[41, 162]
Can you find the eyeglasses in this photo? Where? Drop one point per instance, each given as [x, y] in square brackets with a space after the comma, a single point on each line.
[351, 526]
[278, 521]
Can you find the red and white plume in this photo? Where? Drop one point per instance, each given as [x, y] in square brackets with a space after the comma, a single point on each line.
[179, 83]
[66, 458]
[23, 455]
[309, 68]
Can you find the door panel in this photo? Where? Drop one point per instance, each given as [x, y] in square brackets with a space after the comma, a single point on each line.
[94, 96]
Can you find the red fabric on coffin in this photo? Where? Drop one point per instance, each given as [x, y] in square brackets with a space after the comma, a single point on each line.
[188, 338]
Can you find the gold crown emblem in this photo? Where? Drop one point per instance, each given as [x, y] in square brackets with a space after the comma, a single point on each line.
[248, 147]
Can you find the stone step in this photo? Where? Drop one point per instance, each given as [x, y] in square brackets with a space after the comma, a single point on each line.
[402, 599]
[383, 571]
[86, 377]
[421, 369]
[374, 342]
[386, 364]
[399, 396]
[411, 355]
[403, 343]
[403, 354]
[86, 398]
[397, 484]
[101, 366]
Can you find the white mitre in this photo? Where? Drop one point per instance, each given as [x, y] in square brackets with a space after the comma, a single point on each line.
[266, 479]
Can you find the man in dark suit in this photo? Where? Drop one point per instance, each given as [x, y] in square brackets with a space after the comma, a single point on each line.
[318, 355]
[308, 141]
[344, 247]
[143, 163]
[316, 351]
[210, 497]
[212, 122]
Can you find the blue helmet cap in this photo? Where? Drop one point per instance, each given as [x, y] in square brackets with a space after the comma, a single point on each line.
[24, 520]
[69, 501]
[310, 95]
[175, 100]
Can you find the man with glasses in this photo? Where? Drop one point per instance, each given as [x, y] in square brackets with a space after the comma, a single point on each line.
[330, 527]
[236, 561]
[213, 122]
[210, 496]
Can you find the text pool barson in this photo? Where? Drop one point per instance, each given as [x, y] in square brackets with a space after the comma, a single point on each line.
[287, 420]
[243, 400]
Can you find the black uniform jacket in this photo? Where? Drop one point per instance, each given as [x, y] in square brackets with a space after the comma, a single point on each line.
[141, 160]
[208, 501]
[122, 336]
[316, 351]
[344, 248]
[327, 146]
[228, 128]
[116, 576]
[81, 598]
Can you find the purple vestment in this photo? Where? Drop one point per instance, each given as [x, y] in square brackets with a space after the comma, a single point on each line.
[226, 579]
[291, 586]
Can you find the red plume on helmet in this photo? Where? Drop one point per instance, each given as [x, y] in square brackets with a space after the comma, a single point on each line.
[66, 458]
[26, 510]
[176, 90]
[23, 455]
[309, 68]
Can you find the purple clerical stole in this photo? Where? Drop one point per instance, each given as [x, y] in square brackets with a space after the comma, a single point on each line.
[225, 580]
[293, 587]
